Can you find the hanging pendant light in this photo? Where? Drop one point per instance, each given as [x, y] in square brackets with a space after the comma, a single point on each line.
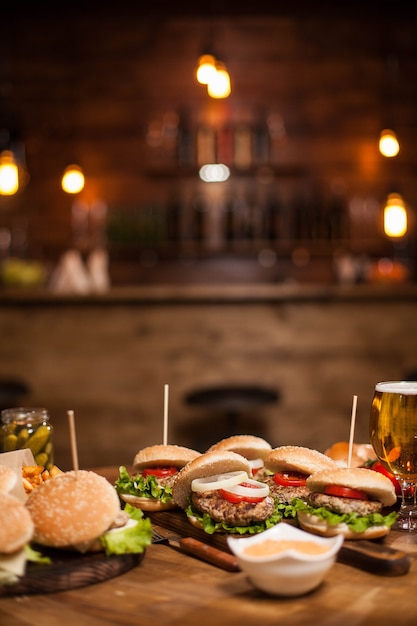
[73, 179]
[9, 174]
[206, 69]
[395, 216]
[219, 85]
[388, 143]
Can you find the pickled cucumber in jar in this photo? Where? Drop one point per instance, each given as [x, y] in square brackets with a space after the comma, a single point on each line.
[28, 428]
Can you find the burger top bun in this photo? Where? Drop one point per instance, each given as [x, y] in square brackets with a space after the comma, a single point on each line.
[249, 446]
[16, 525]
[317, 526]
[376, 485]
[207, 464]
[361, 453]
[8, 478]
[152, 456]
[72, 508]
[298, 459]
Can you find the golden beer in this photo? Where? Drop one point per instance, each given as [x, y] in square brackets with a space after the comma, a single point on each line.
[393, 427]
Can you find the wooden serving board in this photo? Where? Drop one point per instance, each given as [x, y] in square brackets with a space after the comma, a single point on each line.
[178, 523]
[376, 557]
[70, 570]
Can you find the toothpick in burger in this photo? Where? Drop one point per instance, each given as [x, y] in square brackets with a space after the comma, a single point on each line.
[252, 447]
[156, 467]
[349, 501]
[287, 469]
[217, 493]
[80, 510]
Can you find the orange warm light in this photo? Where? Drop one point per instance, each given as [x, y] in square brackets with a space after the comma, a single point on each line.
[9, 174]
[395, 216]
[211, 72]
[73, 179]
[388, 143]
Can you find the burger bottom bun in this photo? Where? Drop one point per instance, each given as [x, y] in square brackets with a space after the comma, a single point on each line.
[194, 521]
[148, 504]
[318, 526]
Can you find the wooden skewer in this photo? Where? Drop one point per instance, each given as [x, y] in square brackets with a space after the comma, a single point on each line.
[73, 440]
[165, 437]
[352, 430]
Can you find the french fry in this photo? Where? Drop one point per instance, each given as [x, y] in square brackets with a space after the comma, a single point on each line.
[35, 475]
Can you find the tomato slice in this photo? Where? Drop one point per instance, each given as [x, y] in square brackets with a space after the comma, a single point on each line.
[290, 479]
[345, 492]
[235, 498]
[378, 467]
[159, 472]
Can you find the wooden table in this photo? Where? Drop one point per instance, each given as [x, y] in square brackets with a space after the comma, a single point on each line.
[171, 588]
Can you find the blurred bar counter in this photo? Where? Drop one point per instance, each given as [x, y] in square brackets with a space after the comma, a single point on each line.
[108, 357]
[205, 294]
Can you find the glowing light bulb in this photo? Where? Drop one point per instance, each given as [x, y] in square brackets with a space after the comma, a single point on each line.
[219, 85]
[206, 69]
[9, 174]
[388, 143]
[395, 216]
[73, 179]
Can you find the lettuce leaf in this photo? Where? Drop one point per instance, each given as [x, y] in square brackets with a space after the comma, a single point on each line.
[34, 556]
[141, 487]
[210, 526]
[357, 523]
[131, 539]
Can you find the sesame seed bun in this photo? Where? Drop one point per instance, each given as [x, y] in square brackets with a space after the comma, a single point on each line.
[207, 464]
[8, 478]
[16, 525]
[249, 446]
[376, 485]
[73, 508]
[152, 456]
[361, 453]
[298, 459]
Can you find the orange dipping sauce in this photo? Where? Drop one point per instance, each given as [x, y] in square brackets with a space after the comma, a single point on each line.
[273, 546]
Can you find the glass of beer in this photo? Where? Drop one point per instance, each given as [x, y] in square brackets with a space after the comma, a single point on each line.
[393, 433]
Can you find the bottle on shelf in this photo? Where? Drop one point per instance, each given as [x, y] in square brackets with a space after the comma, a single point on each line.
[243, 147]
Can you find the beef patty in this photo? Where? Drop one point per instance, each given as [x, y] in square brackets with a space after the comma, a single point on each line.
[344, 505]
[236, 514]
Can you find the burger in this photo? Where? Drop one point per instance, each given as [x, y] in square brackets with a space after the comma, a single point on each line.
[156, 467]
[362, 454]
[80, 510]
[253, 448]
[16, 531]
[287, 469]
[348, 501]
[218, 495]
[8, 479]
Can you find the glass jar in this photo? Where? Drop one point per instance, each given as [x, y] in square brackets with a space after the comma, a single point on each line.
[28, 428]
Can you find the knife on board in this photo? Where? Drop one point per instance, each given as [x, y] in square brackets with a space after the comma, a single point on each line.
[374, 557]
[196, 548]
